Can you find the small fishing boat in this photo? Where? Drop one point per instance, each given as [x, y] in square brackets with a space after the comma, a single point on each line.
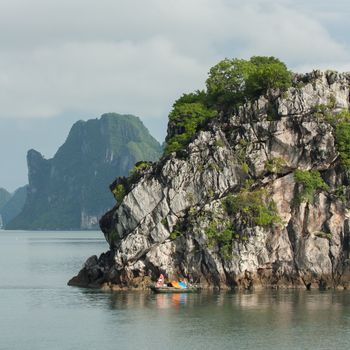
[165, 289]
[173, 287]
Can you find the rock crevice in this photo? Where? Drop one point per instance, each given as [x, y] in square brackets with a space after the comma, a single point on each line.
[168, 218]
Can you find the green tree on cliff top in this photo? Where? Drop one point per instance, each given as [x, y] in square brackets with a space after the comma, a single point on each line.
[235, 81]
[231, 82]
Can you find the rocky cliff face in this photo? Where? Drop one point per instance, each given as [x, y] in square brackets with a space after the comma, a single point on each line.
[230, 209]
[70, 191]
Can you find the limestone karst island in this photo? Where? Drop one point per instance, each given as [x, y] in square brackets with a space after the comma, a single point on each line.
[252, 190]
[70, 190]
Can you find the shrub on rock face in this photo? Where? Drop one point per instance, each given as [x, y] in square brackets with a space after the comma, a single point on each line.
[342, 135]
[139, 166]
[310, 181]
[275, 165]
[119, 192]
[341, 124]
[186, 116]
[253, 207]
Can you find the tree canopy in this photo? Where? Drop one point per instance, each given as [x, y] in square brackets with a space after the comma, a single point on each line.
[231, 82]
[234, 81]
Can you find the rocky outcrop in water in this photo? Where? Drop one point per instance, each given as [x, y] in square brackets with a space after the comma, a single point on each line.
[259, 198]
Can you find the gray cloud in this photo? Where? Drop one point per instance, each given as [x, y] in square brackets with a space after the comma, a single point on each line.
[137, 56]
[86, 57]
[96, 76]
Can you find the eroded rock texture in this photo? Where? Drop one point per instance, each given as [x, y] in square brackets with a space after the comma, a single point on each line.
[161, 226]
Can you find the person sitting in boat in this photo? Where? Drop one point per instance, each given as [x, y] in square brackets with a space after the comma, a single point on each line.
[179, 284]
[160, 282]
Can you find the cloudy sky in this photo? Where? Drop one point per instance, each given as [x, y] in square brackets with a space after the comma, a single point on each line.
[64, 60]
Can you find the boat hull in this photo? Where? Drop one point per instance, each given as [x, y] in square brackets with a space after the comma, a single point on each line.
[166, 290]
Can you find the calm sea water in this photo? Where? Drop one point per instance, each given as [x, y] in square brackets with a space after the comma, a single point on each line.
[39, 311]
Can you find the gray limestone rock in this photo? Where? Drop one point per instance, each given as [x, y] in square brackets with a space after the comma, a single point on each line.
[161, 226]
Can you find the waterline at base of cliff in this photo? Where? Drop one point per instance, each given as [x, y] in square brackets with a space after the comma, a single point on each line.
[259, 198]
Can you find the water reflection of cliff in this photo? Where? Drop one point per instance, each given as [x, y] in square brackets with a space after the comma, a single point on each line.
[295, 319]
[274, 301]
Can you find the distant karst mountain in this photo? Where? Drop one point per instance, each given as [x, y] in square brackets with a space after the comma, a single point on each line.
[4, 197]
[70, 191]
[13, 206]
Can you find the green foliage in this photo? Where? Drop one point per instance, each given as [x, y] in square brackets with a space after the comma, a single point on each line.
[268, 73]
[200, 168]
[234, 81]
[164, 222]
[230, 204]
[119, 192]
[311, 181]
[245, 168]
[299, 84]
[322, 234]
[342, 139]
[231, 82]
[275, 165]
[211, 230]
[241, 152]
[341, 193]
[175, 144]
[272, 112]
[175, 234]
[14, 205]
[211, 194]
[190, 197]
[226, 83]
[54, 218]
[76, 180]
[340, 117]
[192, 212]
[198, 96]
[220, 143]
[320, 111]
[325, 112]
[254, 207]
[220, 234]
[214, 167]
[139, 166]
[186, 116]
[332, 101]
[341, 125]
[251, 208]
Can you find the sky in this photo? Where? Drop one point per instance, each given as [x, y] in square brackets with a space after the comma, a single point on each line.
[65, 60]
